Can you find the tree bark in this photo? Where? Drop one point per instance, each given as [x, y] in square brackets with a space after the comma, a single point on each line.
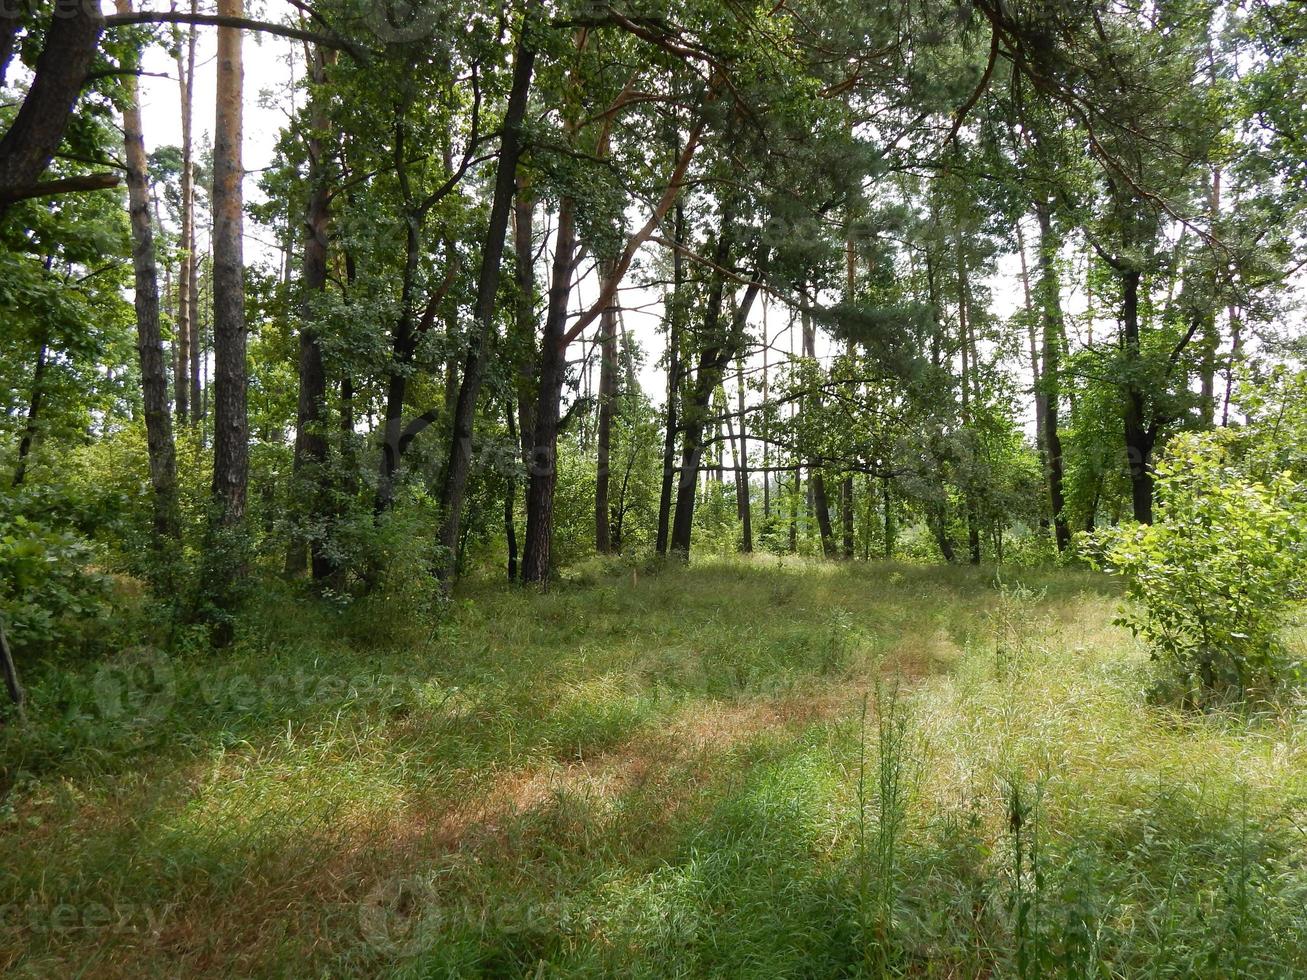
[816, 482]
[604, 428]
[743, 503]
[671, 425]
[453, 487]
[185, 298]
[61, 70]
[33, 415]
[543, 469]
[1139, 437]
[695, 412]
[1049, 293]
[149, 338]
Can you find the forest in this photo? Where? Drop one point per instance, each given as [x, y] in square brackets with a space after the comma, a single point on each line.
[814, 488]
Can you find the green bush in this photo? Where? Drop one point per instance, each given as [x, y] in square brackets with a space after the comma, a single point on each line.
[1213, 581]
[48, 589]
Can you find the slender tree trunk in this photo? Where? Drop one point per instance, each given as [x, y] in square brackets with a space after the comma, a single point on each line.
[459, 460]
[967, 343]
[185, 300]
[707, 377]
[510, 496]
[670, 423]
[230, 425]
[846, 485]
[1210, 336]
[766, 442]
[607, 396]
[1032, 336]
[33, 415]
[887, 516]
[742, 465]
[543, 470]
[1049, 291]
[310, 460]
[816, 482]
[149, 338]
[1139, 437]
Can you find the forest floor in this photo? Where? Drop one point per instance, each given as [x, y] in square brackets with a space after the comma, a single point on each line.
[738, 769]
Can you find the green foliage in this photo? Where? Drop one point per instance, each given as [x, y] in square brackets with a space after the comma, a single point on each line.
[1214, 580]
[50, 595]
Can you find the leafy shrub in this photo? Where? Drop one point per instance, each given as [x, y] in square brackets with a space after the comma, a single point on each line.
[1215, 578]
[47, 587]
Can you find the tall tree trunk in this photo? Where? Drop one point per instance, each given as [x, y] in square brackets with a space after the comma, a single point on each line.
[510, 494]
[670, 423]
[149, 338]
[766, 442]
[310, 461]
[1210, 335]
[185, 299]
[967, 343]
[1032, 336]
[1049, 297]
[224, 550]
[695, 414]
[742, 464]
[230, 420]
[816, 482]
[846, 485]
[543, 470]
[458, 463]
[604, 429]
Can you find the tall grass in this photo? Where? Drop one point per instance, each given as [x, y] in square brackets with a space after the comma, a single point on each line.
[737, 769]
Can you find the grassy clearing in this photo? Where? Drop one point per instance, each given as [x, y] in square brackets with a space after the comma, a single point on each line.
[738, 769]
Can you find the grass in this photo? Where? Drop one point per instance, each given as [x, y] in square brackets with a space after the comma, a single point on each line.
[739, 769]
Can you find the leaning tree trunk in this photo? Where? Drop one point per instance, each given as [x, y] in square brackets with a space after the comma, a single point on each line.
[149, 339]
[310, 463]
[453, 488]
[60, 74]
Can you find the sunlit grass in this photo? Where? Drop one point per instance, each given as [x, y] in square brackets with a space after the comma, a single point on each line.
[659, 775]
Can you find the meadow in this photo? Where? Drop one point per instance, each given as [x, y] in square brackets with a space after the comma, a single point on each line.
[757, 768]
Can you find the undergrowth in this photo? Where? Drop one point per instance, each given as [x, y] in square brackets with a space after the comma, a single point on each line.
[737, 769]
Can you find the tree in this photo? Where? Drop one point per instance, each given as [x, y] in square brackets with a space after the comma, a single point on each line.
[149, 338]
